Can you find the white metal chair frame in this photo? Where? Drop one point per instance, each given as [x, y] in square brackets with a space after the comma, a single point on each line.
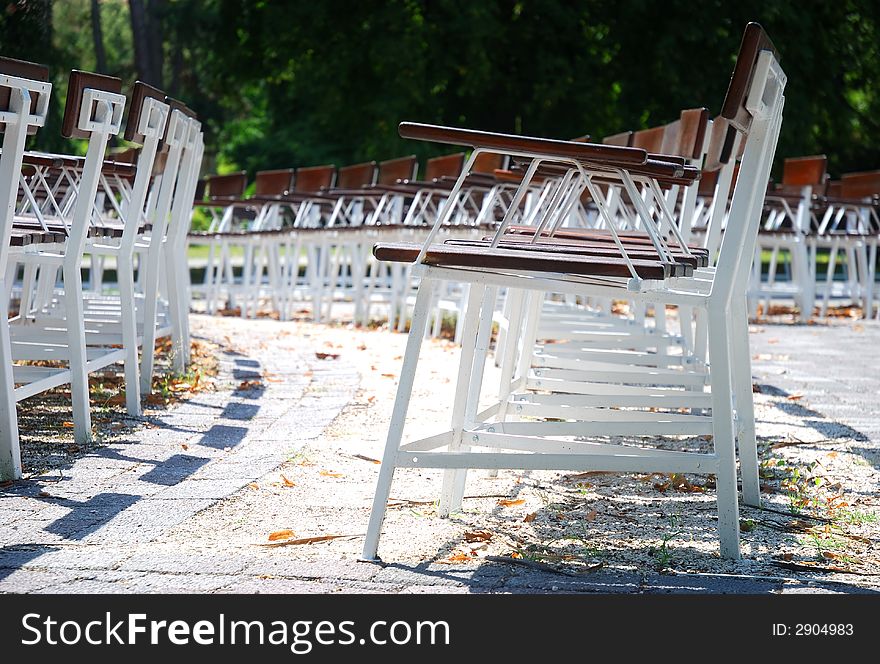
[718, 293]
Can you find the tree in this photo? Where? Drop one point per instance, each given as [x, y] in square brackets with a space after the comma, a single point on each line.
[98, 38]
[146, 36]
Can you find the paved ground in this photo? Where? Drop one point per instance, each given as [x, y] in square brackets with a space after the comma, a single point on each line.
[101, 525]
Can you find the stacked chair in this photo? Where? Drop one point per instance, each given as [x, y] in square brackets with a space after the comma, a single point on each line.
[571, 418]
[808, 213]
[58, 209]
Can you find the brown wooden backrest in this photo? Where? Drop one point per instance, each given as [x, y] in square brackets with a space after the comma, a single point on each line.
[720, 144]
[126, 156]
[650, 140]
[708, 180]
[624, 139]
[313, 178]
[832, 188]
[860, 185]
[274, 183]
[139, 94]
[449, 165]
[356, 175]
[804, 171]
[230, 186]
[77, 84]
[754, 41]
[201, 185]
[692, 132]
[401, 168]
[671, 139]
[488, 162]
[21, 69]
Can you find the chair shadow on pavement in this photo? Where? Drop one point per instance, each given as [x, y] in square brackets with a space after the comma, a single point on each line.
[642, 533]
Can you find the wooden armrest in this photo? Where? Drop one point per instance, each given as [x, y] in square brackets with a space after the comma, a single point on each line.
[543, 146]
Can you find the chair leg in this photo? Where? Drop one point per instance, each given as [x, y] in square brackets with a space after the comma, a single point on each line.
[10, 453]
[453, 478]
[514, 304]
[398, 418]
[79, 378]
[723, 433]
[829, 278]
[745, 408]
[125, 278]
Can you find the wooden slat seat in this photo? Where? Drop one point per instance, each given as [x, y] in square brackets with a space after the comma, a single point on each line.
[682, 266]
[447, 255]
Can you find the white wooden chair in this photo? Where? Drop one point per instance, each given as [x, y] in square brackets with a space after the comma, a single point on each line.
[753, 107]
[24, 102]
[93, 111]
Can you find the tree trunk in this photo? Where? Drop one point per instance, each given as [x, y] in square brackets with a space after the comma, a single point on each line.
[98, 38]
[142, 60]
[155, 9]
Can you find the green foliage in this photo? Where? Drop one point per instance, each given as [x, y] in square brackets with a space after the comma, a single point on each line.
[282, 84]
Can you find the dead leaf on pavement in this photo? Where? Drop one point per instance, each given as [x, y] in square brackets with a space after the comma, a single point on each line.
[478, 536]
[253, 485]
[504, 502]
[530, 517]
[591, 515]
[184, 446]
[327, 356]
[307, 540]
[366, 458]
[589, 473]
[281, 535]
[67, 425]
[327, 473]
[287, 482]
[795, 397]
[458, 558]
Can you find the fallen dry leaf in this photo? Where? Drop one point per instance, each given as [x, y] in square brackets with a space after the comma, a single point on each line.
[795, 397]
[388, 375]
[253, 485]
[327, 473]
[67, 425]
[366, 458]
[286, 482]
[458, 558]
[306, 540]
[478, 536]
[184, 446]
[589, 473]
[327, 356]
[591, 515]
[530, 517]
[246, 385]
[281, 535]
[504, 502]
